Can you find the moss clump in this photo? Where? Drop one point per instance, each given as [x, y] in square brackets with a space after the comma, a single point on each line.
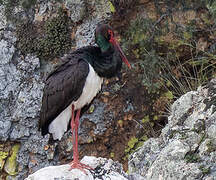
[91, 109]
[205, 170]
[52, 41]
[112, 8]
[131, 144]
[11, 165]
[57, 37]
[211, 146]
[135, 143]
[169, 95]
[27, 38]
[3, 156]
[112, 154]
[145, 119]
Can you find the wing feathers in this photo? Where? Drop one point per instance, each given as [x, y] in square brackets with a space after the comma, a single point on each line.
[62, 86]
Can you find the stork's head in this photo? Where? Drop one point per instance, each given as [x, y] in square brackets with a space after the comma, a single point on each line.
[104, 37]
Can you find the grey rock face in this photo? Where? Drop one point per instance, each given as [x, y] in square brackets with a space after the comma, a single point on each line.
[20, 100]
[3, 20]
[100, 11]
[21, 83]
[77, 9]
[186, 147]
[104, 169]
[85, 33]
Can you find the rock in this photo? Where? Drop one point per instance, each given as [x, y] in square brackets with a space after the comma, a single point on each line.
[6, 52]
[20, 100]
[22, 84]
[100, 11]
[186, 147]
[103, 169]
[3, 20]
[135, 176]
[77, 9]
[85, 33]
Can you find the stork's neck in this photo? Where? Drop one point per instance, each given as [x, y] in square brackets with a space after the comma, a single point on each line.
[105, 63]
[103, 43]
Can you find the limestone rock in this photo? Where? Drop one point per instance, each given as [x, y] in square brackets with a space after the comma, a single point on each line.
[186, 147]
[100, 11]
[3, 20]
[103, 169]
[77, 9]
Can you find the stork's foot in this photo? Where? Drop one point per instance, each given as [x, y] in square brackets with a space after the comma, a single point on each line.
[75, 164]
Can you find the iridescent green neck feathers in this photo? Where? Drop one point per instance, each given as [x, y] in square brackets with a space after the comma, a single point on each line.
[102, 43]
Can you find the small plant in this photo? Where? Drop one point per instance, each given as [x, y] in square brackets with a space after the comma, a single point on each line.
[192, 157]
[211, 146]
[205, 170]
[57, 37]
[52, 42]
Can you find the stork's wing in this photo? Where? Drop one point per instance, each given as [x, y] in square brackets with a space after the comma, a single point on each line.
[62, 86]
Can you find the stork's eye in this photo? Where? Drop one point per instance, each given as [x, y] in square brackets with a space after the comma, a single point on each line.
[111, 35]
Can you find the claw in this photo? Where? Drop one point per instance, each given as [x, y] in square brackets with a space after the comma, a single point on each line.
[78, 165]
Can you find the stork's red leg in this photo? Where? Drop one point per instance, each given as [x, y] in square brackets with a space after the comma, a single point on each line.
[72, 120]
[76, 164]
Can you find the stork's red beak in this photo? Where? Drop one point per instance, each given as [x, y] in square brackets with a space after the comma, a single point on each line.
[116, 45]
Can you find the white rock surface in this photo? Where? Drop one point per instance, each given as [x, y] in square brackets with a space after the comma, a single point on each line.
[104, 169]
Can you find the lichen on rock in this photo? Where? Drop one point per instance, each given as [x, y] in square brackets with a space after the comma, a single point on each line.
[11, 165]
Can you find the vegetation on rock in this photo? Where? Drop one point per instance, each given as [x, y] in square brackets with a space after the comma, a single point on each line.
[172, 46]
[53, 40]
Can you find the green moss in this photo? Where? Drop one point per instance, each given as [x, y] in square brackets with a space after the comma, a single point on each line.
[145, 119]
[52, 42]
[211, 5]
[205, 170]
[131, 144]
[112, 154]
[3, 156]
[155, 117]
[211, 146]
[27, 38]
[120, 122]
[11, 165]
[141, 142]
[169, 95]
[112, 8]
[91, 109]
[57, 37]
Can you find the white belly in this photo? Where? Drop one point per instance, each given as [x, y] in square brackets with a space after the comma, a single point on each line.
[92, 86]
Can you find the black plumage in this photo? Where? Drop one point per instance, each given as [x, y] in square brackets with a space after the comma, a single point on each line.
[65, 83]
[74, 84]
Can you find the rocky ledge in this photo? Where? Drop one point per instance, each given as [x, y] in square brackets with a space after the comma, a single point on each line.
[103, 169]
[186, 148]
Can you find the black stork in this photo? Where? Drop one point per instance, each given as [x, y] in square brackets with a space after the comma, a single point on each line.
[75, 83]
